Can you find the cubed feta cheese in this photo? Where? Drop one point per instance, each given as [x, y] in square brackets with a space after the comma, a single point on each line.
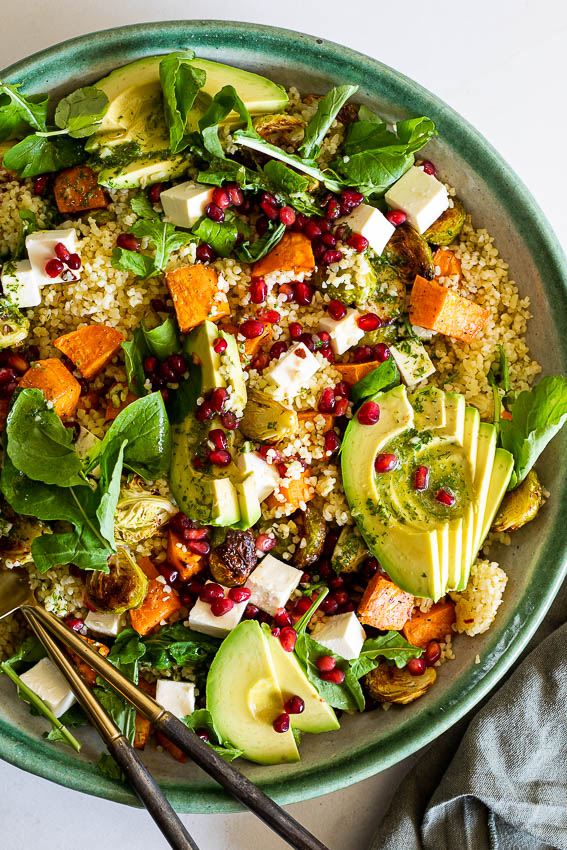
[41, 248]
[421, 196]
[19, 284]
[185, 203]
[202, 619]
[177, 697]
[266, 475]
[46, 681]
[104, 624]
[292, 371]
[344, 332]
[342, 634]
[372, 224]
[412, 360]
[272, 583]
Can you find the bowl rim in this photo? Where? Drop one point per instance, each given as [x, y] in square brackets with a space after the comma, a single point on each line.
[16, 746]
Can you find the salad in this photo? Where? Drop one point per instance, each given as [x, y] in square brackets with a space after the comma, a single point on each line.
[266, 402]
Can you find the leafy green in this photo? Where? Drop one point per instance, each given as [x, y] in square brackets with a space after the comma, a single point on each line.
[221, 236]
[203, 719]
[327, 110]
[16, 108]
[30, 651]
[135, 350]
[111, 462]
[131, 261]
[81, 112]
[499, 380]
[142, 206]
[391, 646]
[184, 401]
[108, 766]
[385, 375]
[120, 710]
[43, 154]
[29, 225]
[163, 340]
[224, 102]
[180, 83]
[250, 252]
[537, 415]
[171, 646]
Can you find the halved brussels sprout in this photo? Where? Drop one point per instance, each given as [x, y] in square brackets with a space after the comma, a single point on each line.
[353, 286]
[283, 530]
[410, 254]
[520, 505]
[349, 552]
[447, 227]
[122, 588]
[312, 528]
[389, 298]
[278, 122]
[140, 513]
[387, 333]
[232, 561]
[14, 326]
[388, 684]
[266, 419]
[15, 547]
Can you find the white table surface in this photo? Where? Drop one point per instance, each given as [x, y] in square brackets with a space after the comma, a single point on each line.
[503, 66]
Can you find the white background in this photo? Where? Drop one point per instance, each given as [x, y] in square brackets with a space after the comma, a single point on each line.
[503, 66]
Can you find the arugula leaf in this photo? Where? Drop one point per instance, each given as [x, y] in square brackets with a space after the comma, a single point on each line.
[383, 377]
[174, 645]
[537, 415]
[29, 225]
[38, 443]
[368, 135]
[131, 261]
[283, 179]
[81, 112]
[30, 651]
[141, 205]
[16, 107]
[184, 401]
[163, 340]
[203, 719]
[42, 154]
[180, 83]
[135, 350]
[108, 766]
[327, 110]
[392, 646]
[164, 237]
[415, 132]
[250, 252]
[366, 114]
[221, 236]
[110, 472]
[224, 102]
[375, 170]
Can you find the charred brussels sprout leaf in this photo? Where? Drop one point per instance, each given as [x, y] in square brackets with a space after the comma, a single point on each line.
[410, 254]
[349, 552]
[388, 684]
[447, 227]
[233, 560]
[140, 513]
[14, 326]
[520, 505]
[313, 529]
[389, 297]
[122, 588]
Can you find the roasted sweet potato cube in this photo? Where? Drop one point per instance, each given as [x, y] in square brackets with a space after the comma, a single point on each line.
[56, 383]
[77, 189]
[295, 493]
[351, 373]
[143, 727]
[293, 253]
[186, 563]
[90, 348]
[437, 308]
[384, 605]
[306, 416]
[86, 671]
[196, 295]
[171, 748]
[148, 567]
[433, 625]
[112, 411]
[160, 603]
[446, 263]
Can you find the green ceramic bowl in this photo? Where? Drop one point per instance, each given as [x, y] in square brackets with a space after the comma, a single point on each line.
[535, 562]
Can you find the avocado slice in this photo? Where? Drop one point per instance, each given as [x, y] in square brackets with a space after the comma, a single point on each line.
[429, 409]
[317, 715]
[217, 371]
[244, 697]
[500, 478]
[248, 502]
[143, 171]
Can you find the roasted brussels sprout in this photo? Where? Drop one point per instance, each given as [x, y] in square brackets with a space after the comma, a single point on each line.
[448, 226]
[283, 530]
[122, 588]
[140, 513]
[15, 545]
[520, 505]
[387, 333]
[356, 285]
[14, 326]
[349, 552]
[410, 254]
[232, 561]
[278, 122]
[389, 297]
[312, 528]
[267, 419]
[388, 684]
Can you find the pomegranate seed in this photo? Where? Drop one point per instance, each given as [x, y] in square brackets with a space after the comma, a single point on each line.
[326, 663]
[369, 322]
[369, 568]
[331, 256]
[154, 192]
[194, 586]
[211, 591]
[328, 240]
[219, 458]
[220, 607]
[381, 352]
[332, 442]
[288, 638]
[235, 194]
[17, 362]
[416, 666]
[166, 372]
[199, 547]
[341, 406]
[179, 522]
[342, 390]
[177, 364]
[300, 222]
[229, 420]
[342, 232]
[341, 597]
[281, 723]
[7, 376]
[218, 437]
[53, 268]
[312, 230]
[239, 594]
[335, 676]
[61, 252]
[202, 734]
[129, 242]
[385, 462]
[287, 216]
[205, 253]
[319, 249]
[323, 337]
[307, 341]
[362, 354]
[302, 605]
[429, 168]
[75, 624]
[294, 705]
[346, 608]
[219, 345]
[251, 328]
[74, 262]
[337, 310]
[204, 412]
[250, 612]
[359, 242]
[40, 184]
[369, 413]
[270, 209]
[270, 316]
[327, 401]
[432, 653]
[282, 618]
[444, 497]
[218, 399]
[337, 583]
[396, 217]
[333, 210]
[329, 605]
[352, 197]
[421, 478]
[169, 573]
[277, 349]
[194, 533]
[265, 542]
[258, 290]
[303, 293]
[158, 305]
[295, 330]
[324, 566]
[276, 632]
[286, 292]
[262, 224]
[215, 213]
[221, 198]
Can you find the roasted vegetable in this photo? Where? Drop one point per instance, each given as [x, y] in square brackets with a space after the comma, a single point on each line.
[266, 419]
[389, 297]
[434, 624]
[124, 587]
[383, 605]
[159, 604]
[15, 547]
[354, 286]
[520, 505]
[90, 348]
[295, 493]
[312, 528]
[387, 333]
[437, 308]
[14, 326]
[293, 253]
[409, 253]
[196, 296]
[232, 561]
[140, 513]
[388, 684]
[349, 552]
[57, 384]
[278, 122]
[448, 226]
[283, 530]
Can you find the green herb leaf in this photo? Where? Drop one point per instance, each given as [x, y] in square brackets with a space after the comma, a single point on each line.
[81, 112]
[203, 719]
[41, 154]
[348, 695]
[108, 766]
[385, 376]
[29, 225]
[224, 102]
[392, 646]
[135, 350]
[221, 236]
[327, 110]
[171, 646]
[110, 464]
[165, 238]
[369, 135]
[131, 261]
[180, 83]
[141, 205]
[16, 107]
[163, 341]
[30, 651]
[184, 401]
[249, 252]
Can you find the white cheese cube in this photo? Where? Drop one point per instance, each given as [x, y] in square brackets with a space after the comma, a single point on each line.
[421, 196]
[185, 203]
[265, 475]
[177, 697]
[344, 332]
[104, 624]
[412, 360]
[19, 284]
[272, 583]
[342, 634]
[372, 224]
[292, 371]
[47, 682]
[41, 248]
[202, 619]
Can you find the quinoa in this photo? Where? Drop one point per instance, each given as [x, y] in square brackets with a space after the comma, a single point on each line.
[476, 607]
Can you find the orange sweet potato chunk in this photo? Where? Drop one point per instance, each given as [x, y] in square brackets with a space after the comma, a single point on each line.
[439, 309]
[90, 348]
[171, 748]
[160, 603]
[77, 189]
[187, 563]
[196, 296]
[384, 605]
[448, 264]
[297, 491]
[251, 346]
[293, 253]
[111, 411]
[351, 373]
[56, 383]
[433, 625]
[143, 727]
[148, 568]
[86, 671]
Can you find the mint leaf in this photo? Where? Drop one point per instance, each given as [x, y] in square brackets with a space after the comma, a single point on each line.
[180, 83]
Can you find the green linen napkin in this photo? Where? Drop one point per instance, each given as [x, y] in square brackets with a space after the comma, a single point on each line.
[498, 779]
